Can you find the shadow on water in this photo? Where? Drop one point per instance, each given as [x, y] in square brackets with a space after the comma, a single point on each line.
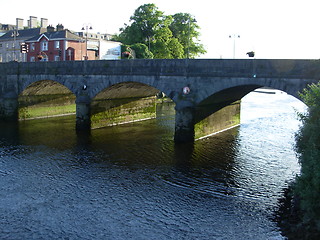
[9, 133]
[206, 166]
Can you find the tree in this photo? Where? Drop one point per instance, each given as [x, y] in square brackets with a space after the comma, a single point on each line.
[151, 27]
[141, 51]
[307, 186]
[184, 27]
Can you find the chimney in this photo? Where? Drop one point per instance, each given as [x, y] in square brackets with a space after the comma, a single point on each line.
[60, 27]
[19, 23]
[50, 28]
[44, 22]
[32, 22]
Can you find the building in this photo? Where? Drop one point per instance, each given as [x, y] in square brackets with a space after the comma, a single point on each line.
[58, 45]
[15, 35]
[103, 46]
[4, 28]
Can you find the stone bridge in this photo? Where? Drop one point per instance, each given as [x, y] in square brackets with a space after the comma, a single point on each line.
[198, 87]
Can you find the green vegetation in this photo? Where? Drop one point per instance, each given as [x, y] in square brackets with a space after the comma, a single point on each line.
[36, 112]
[307, 186]
[121, 111]
[155, 35]
[225, 118]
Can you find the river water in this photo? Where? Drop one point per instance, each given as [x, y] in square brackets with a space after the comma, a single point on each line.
[133, 182]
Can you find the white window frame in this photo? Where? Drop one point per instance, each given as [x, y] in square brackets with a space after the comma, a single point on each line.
[56, 58]
[32, 47]
[32, 59]
[57, 44]
[44, 45]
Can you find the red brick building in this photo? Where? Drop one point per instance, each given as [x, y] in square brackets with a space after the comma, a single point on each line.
[60, 45]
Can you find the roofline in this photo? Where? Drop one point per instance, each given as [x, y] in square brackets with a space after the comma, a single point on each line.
[56, 39]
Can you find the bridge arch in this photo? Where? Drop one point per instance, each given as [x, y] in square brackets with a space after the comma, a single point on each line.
[26, 82]
[239, 87]
[105, 82]
[45, 98]
[234, 90]
[124, 102]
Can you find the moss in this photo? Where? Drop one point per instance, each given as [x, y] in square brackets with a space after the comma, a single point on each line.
[109, 112]
[225, 118]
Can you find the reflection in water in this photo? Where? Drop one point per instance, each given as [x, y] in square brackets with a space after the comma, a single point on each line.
[133, 182]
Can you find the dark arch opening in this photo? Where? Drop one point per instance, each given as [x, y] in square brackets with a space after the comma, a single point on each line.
[46, 98]
[126, 102]
[222, 99]
[222, 109]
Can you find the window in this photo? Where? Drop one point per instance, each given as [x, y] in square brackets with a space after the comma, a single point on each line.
[57, 58]
[32, 47]
[44, 46]
[32, 59]
[57, 44]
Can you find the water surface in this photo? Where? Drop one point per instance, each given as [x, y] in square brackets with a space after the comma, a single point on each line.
[133, 182]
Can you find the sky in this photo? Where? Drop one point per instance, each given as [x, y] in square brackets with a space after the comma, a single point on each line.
[278, 29]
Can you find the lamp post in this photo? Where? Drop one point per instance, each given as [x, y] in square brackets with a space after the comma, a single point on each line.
[86, 27]
[234, 36]
[14, 34]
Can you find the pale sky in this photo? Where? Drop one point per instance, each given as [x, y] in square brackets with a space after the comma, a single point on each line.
[271, 28]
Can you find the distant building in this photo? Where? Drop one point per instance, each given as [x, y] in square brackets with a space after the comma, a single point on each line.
[14, 35]
[58, 45]
[102, 44]
[4, 28]
[39, 41]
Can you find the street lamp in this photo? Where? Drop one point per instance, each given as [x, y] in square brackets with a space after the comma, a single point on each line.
[86, 27]
[14, 34]
[234, 36]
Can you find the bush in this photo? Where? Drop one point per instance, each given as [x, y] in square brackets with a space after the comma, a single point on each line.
[307, 186]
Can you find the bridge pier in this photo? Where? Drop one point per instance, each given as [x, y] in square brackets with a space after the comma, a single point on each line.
[184, 125]
[9, 107]
[83, 113]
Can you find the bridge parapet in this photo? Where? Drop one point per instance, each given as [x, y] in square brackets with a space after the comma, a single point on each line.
[288, 68]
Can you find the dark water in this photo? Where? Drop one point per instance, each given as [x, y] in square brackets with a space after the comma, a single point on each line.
[133, 182]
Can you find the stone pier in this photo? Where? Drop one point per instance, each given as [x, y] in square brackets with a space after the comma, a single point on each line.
[83, 113]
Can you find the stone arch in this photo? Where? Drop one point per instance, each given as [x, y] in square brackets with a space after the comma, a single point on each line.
[24, 83]
[235, 90]
[125, 101]
[151, 82]
[246, 85]
[51, 97]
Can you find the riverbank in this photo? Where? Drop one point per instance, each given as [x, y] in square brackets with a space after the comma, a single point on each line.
[290, 220]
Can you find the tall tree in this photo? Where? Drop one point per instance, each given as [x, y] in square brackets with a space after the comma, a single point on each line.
[184, 27]
[151, 27]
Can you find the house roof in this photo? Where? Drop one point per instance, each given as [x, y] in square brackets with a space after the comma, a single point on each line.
[63, 34]
[23, 34]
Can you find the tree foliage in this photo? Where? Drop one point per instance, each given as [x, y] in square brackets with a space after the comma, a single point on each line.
[308, 149]
[164, 36]
[185, 29]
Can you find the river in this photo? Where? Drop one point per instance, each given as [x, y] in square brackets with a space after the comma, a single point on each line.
[133, 182]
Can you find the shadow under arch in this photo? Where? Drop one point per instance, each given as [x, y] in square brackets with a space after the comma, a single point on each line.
[125, 102]
[221, 110]
[221, 99]
[46, 98]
